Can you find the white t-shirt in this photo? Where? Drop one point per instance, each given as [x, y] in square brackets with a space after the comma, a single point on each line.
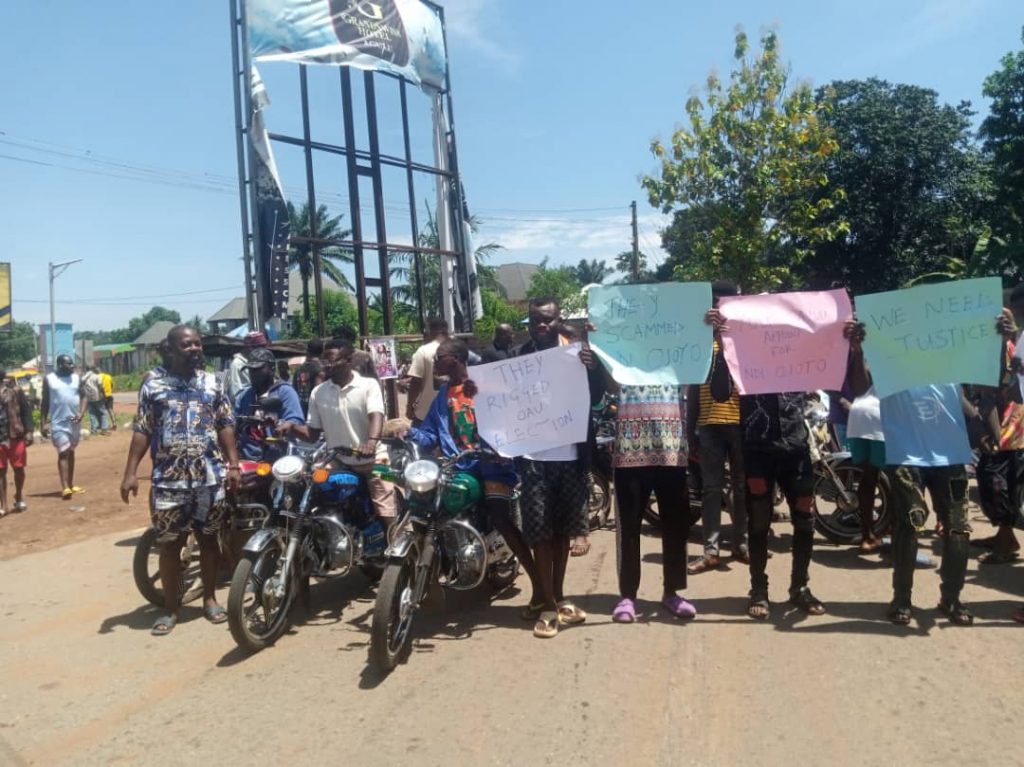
[343, 413]
[422, 367]
[865, 418]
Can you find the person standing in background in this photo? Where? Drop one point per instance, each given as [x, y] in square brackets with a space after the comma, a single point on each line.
[422, 387]
[64, 407]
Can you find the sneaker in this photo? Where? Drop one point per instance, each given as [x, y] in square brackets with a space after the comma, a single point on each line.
[20, 506]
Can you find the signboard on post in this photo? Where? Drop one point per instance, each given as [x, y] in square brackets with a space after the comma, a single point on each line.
[5, 298]
[533, 403]
[933, 334]
[786, 342]
[652, 334]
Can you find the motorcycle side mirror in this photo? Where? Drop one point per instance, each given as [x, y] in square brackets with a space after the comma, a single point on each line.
[270, 402]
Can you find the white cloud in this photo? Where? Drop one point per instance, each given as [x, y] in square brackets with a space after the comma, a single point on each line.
[466, 23]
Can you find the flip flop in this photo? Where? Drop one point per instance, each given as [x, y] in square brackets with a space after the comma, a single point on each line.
[580, 546]
[569, 614]
[66, 493]
[164, 625]
[703, 564]
[624, 612]
[679, 607]
[215, 614]
[76, 489]
[546, 626]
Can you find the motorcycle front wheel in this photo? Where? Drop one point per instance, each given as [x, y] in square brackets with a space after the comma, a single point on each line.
[836, 510]
[599, 501]
[146, 569]
[259, 598]
[391, 628]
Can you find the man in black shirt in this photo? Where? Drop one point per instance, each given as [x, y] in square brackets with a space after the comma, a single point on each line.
[500, 348]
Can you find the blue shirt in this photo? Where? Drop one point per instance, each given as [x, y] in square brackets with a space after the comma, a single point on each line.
[249, 443]
[924, 426]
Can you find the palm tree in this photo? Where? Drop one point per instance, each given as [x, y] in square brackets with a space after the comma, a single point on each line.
[590, 272]
[300, 254]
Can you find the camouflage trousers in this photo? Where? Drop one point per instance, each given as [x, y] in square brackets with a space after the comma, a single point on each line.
[947, 486]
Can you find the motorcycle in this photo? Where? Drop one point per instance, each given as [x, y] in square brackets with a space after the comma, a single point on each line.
[323, 526]
[443, 538]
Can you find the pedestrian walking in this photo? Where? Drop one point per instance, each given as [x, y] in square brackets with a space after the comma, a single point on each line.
[61, 412]
[16, 428]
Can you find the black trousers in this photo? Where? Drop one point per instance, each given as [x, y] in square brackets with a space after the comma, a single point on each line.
[1001, 486]
[633, 488]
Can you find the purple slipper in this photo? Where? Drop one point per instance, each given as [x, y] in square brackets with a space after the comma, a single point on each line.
[624, 612]
[679, 607]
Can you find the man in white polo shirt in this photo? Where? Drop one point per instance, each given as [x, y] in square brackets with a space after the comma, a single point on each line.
[348, 409]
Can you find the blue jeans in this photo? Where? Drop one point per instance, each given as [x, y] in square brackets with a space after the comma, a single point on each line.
[99, 418]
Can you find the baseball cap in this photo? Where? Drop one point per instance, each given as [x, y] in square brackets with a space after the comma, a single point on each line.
[254, 339]
[257, 358]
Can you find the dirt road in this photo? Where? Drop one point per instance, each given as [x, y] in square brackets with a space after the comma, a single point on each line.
[83, 683]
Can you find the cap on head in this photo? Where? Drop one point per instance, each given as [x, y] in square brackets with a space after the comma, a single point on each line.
[257, 358]
[255, 339]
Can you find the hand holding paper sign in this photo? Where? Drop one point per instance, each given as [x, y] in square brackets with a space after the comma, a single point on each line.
[786, 342]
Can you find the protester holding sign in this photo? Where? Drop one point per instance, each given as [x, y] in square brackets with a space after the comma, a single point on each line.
[555, 490]
[650, 456]
[450, 426]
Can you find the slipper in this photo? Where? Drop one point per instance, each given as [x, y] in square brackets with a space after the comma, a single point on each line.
[759, 608]
[65, 493]
[215, 614]
[76, 489]
[580, 546]
[547, 625]
[3, 512]
[998, 558]
[679, 607]
[901, 615]
[531, 611]
[956, 612]
[20, 506]
[164, 625]
[569, 614]
[624, 612]
[703, 564]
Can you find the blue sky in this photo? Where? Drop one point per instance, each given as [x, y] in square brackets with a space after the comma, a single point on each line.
[555, 106]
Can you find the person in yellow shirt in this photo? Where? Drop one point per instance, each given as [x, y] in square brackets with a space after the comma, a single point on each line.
[107, 382]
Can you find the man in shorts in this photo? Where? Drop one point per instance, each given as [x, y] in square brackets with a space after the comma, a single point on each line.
[63, 406]
[16, 427]
[188, 419]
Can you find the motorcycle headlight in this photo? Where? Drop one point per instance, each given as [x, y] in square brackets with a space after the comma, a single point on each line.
[421, 476]
[288, 468]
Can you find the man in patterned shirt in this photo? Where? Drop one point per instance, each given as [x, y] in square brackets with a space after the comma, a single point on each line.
[188, 418]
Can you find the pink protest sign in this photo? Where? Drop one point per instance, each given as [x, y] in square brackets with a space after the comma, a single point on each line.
[786, 342]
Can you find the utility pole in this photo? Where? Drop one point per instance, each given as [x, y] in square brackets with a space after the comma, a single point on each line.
[636, 245]
[56, 270]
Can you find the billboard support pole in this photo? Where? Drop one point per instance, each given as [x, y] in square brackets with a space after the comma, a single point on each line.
[240, 135]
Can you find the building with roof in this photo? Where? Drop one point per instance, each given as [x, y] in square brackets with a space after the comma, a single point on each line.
[515, 279]
[230, 316]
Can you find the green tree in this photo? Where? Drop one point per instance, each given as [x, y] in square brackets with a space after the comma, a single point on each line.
[1002, 134]
[590, 272]
[914, 197]
[139, 325]
[559, 283]
[300, 254]
[18, 346]
[339, 309]
[496, 311]
[752, 156]
[679, 239]
[624, 265]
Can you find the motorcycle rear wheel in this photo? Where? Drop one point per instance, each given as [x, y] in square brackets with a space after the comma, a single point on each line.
[253, 617]
[146, 569]
[599, 501]
[393, 611]
[842, 524]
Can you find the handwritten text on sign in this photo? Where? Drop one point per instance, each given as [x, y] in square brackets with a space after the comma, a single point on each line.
[532, 403]
[933, 334]
[787, 341]
[652, 334]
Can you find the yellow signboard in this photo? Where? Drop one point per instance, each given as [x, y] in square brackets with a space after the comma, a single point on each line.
[5, 298]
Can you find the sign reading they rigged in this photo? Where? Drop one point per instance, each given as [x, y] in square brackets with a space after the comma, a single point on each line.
[403, 37]
[532, 403]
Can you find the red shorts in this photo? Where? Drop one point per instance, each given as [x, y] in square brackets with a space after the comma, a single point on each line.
[15, 453]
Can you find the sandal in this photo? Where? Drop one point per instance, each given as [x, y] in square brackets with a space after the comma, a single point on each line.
[580, 546]
[958, 614]
[215, 614]
[705, 563]
[679, 607]
[164, 625]
[901, 615]
[547, 625]
[569, 614]
[998, 558]
[759, 608]
[806, 601]
[531, 611]
[624, 612]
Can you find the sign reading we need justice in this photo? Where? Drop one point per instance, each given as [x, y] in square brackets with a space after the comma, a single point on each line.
[931, 334]
[652, 334]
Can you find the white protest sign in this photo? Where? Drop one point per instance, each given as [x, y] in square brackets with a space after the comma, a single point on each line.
[532, 403]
